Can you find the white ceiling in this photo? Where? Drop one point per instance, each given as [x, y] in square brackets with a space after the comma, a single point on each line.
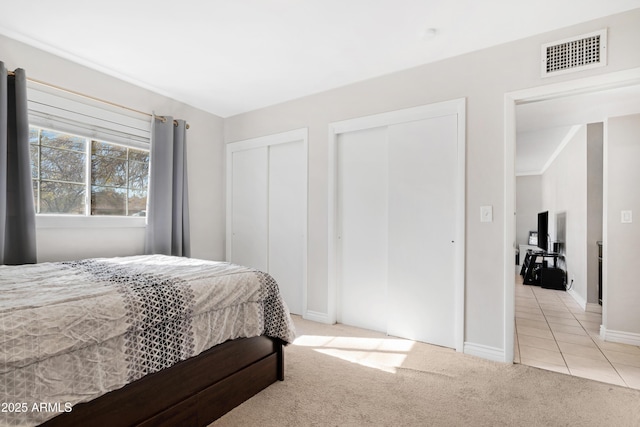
[542, 126]
[233, 56]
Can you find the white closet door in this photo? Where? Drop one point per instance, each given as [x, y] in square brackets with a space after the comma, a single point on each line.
[422, 226]
[396, 201]
[362, 223]
[267, 210]
[249, 208]
[287, 225]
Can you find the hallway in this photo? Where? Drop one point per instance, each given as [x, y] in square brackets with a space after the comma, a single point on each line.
[554, 333]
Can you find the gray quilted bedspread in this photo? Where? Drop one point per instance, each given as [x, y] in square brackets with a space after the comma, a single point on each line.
[72, 331]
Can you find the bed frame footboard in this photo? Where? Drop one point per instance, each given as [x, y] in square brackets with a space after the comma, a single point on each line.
[193, 392]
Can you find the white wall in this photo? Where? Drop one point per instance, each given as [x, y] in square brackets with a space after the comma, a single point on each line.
[483, 78]
[528, 205]
[595, 143]
[564, 190]
[205, 159]
[621, 315]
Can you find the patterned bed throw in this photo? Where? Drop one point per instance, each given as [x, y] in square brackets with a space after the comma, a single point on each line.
[72, 331]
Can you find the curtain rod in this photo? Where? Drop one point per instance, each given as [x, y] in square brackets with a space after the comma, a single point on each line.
[73, 92]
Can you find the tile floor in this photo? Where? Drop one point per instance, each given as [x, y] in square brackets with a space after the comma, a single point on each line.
[554, 333]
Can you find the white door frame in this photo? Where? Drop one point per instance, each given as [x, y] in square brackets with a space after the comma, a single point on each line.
[456, 106]
[266, 141]
[511, 99]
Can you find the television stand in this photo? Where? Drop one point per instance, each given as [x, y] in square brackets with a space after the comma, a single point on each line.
[530, 266]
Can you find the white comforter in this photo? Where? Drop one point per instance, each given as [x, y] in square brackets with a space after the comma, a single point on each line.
[72, 331]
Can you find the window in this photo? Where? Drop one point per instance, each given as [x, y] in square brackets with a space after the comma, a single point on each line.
[89, 160]
[119, 179]
[82, 176]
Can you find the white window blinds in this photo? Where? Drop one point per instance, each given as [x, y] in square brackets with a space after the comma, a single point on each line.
[75, 114]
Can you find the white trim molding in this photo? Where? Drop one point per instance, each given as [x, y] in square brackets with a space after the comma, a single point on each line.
[567, 138]
[622, 337]
[264, 141]
[485, 352]
[578, 299]
[316, 316]
[593, 308]
[93, 221]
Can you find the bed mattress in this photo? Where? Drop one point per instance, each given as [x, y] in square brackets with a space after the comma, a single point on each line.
[72, 331]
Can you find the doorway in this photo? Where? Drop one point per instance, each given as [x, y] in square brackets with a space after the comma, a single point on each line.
[559, 91]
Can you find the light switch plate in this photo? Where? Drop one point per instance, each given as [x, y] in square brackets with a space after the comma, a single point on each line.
[486, 213]
[626, 217]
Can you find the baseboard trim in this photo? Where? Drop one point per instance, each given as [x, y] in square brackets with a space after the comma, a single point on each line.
[581, 301]
[593, 308]
[619, 336]
[586, 306]
[484, 351]
[316, 316]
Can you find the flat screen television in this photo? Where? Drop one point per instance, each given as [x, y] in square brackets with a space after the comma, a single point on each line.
[543, 230]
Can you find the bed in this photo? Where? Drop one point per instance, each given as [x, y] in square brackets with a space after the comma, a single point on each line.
[145, 340]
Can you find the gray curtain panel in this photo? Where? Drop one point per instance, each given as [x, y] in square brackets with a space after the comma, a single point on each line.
[17, 212]
[168, 199]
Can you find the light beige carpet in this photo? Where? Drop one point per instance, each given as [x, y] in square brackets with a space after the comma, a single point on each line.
[343, 376]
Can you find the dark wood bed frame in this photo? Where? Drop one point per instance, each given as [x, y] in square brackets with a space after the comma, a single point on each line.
[194, 392]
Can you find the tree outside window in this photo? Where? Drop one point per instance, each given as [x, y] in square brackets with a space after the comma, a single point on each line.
[66, 168]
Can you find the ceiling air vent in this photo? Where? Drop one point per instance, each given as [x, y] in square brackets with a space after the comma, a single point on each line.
[575, 54]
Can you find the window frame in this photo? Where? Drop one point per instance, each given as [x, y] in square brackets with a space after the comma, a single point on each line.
[87, 181]
[44, 221]
[72, 114]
